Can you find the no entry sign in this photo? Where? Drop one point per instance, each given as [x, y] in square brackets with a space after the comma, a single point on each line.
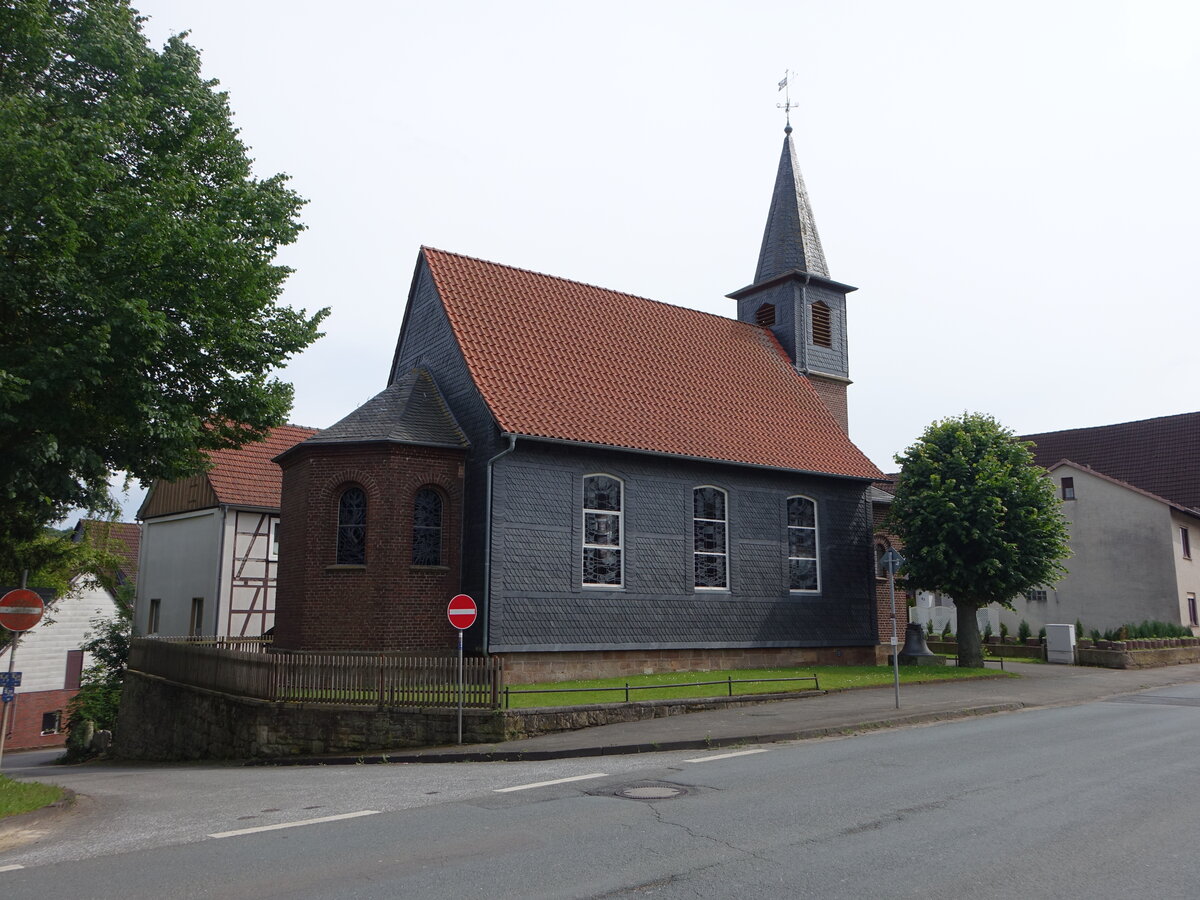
[21, 609]
[462, 611]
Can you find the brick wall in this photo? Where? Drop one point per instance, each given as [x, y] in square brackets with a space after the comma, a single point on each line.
[388, 603]
[25, 719]
[833, 395]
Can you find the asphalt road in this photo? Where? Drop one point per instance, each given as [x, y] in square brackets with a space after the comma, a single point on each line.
[1095, 801]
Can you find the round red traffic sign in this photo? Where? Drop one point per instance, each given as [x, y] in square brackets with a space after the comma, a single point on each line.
[21, 609]
[462, 611]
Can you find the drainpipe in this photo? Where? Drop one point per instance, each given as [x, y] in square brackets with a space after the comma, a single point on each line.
[487, 556]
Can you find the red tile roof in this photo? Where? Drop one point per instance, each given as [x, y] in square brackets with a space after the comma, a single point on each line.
[1161, 456]
[121, 539]
[559, 359]
[248, 476]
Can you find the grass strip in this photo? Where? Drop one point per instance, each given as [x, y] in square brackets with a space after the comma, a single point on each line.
[668, 685]
[18, 797]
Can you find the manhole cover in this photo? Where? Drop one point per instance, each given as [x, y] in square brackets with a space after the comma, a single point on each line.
[650, 792]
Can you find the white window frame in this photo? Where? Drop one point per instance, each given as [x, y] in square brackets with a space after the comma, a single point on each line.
[1185, 542]
[816, 530]
[585, 546]
[724, 552]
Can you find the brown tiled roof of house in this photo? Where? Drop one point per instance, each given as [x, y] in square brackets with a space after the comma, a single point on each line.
[121, 539]
[248, 475]
[563, 360]
[1161, 456]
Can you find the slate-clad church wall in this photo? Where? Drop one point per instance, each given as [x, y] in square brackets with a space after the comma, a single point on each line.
[538, 602]
[427, 340]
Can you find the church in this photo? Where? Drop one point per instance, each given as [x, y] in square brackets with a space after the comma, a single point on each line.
[621, 484]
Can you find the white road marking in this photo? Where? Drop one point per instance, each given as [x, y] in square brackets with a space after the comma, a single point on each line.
[10, 868]
[240, 831]
[538, 784]
[700, 759]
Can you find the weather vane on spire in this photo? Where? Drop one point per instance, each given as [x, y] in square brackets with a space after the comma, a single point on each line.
[787, 105]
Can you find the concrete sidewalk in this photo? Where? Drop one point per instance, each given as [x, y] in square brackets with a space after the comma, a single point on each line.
[841, 712]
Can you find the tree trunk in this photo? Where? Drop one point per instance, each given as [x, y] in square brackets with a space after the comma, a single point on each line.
[970, 648]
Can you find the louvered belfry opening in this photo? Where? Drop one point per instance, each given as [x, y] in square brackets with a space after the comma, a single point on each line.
[822, 325]
[765, 315]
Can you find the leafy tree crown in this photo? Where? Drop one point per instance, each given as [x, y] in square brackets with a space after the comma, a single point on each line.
[979, 520]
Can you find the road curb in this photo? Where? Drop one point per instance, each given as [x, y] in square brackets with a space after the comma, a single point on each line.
[707, 743]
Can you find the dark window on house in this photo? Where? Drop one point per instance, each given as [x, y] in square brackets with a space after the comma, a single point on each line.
[880, 568]
[710, 538]
[427, 528]
[352, 528]
[1036, 596]
[196, 622]
[1191, 604]
[765, 315]
[274, 540]
[74, 670]
[1068, 488]
[803, 574]
[52, 722]
[602, 537]
[822, 325]
[152, 619]
[1185, 542]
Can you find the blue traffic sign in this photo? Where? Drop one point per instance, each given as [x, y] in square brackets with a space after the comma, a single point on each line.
[7, 695]
[10, 679]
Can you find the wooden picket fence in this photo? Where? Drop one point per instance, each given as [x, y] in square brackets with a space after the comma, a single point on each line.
[395, 680]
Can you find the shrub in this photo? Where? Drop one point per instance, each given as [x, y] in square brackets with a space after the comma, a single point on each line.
[1003, 632]
[987, 632]
[929, 628]
[946, 630]
[1023, 631]
[1042, 633]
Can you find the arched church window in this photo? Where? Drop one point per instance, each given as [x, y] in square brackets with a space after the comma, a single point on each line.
[822, 325]
[602, 537]
[352, 527]
[803, 571]
[710, 538]
[427, 528]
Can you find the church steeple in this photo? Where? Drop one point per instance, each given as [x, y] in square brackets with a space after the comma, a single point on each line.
[790, 241]
[792, 293]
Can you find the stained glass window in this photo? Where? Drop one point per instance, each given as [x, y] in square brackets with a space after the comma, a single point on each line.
[427, 528]
[803, 574]
[352, 528]
[602, 537]
[710, 544]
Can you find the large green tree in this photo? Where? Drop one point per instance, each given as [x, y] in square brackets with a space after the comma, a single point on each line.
[979, 520]
[138, 318]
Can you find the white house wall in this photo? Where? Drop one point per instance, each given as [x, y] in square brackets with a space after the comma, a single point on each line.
[179, 560]
[248, 573]
[1122, 569]
[1187, 568]
[42, 651]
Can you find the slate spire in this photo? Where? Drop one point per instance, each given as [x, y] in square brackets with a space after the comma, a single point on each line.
[790, 241]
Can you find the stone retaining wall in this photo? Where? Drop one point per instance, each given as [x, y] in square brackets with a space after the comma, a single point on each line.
[163, 720]
[1119, 655]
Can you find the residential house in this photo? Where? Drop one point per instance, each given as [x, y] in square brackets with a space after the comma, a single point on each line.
[49, 656]
[1130, 493]
[208, 551]
[621, 484]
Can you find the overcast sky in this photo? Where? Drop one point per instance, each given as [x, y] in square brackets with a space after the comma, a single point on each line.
[1012, 186]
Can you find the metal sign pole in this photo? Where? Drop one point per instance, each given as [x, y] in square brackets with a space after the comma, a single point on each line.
[460, 684]
[12, 653]
[12, 656]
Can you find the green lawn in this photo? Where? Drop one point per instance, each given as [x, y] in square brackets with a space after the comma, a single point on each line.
[25, 796]
[666, 685]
